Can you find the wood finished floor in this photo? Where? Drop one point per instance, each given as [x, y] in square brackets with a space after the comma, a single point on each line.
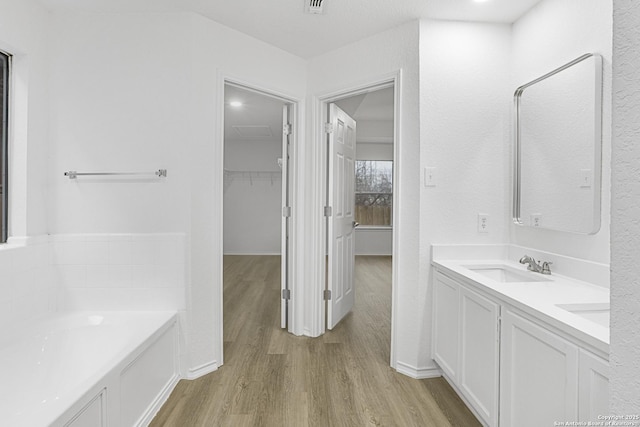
[272, 378]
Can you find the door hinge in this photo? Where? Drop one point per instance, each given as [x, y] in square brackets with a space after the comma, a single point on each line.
[286, 129]
[286, 294]
[286, 211]
[327, 211]
[328, 127]
[327, 295]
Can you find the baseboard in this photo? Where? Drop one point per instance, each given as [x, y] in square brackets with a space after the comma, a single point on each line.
[204, 369]
[374, 254]
[157, 403]
[252, 253]
[418, 373]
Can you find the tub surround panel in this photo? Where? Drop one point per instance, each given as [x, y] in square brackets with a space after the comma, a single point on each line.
[42, 274]
[28, 284]
[121, 271]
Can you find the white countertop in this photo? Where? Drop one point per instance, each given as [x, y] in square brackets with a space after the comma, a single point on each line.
[539, 299]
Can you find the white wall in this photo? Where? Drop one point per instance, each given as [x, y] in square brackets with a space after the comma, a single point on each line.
[464, 123]
[141, 92]
[551, 34]
[625, 229]
[375, 131]
[23, 34]
[25, 263]
[356, 64]
[252, 201]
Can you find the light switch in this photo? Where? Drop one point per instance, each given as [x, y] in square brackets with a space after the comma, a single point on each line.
[586, 177]
[429, 177]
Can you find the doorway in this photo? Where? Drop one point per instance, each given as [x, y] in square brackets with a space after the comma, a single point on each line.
[373, 111]
[257, 222]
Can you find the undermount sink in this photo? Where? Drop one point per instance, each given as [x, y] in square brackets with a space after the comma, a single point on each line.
[505, 274]
[595, 312]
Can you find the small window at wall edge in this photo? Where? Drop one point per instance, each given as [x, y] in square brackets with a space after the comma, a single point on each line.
[5, 64]
[374, 193]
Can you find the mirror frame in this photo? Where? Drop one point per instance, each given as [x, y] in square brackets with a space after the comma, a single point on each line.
[597, 169]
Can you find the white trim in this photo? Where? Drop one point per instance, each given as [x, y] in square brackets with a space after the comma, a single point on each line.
[395, 214]
[375, 140]
[252, 253]
[296, 303]
[315, 276]
[417, 373]
[374, 228]
[199, 371]
[368, 254]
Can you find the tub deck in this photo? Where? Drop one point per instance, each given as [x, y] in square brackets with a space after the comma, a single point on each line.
[49, 366]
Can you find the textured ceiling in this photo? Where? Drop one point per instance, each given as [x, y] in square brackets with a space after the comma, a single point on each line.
[284, 24]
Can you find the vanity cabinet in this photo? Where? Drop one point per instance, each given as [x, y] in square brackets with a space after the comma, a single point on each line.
[593, 392]
[445, 319]
[466, 344]
[511, 368]
[539, 375]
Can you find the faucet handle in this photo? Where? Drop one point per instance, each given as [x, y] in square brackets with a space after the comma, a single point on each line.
[546, 269]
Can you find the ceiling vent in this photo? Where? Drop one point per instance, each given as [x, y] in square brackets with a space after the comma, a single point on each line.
[315, 7]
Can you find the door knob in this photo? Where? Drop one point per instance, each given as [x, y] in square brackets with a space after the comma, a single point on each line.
[355, 224]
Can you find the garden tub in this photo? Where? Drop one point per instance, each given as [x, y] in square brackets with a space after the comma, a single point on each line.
[88, 369]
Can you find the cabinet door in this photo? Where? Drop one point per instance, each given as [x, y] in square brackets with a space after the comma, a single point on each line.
[479, 347]
[593, 397]
[445, 324]
[538, 376]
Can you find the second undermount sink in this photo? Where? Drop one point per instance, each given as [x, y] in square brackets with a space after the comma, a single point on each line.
[506, 274]
[595, 312]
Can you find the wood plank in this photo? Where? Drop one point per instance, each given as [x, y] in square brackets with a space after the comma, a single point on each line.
[272, 378]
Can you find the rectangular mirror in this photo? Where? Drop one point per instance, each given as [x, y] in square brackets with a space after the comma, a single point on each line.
[558, 148]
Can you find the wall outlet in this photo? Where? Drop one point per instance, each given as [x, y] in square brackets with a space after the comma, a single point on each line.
[429, 177]
[483, 223]
[536, 220]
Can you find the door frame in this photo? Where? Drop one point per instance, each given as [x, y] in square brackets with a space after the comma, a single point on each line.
[317, 325]
[294, 171]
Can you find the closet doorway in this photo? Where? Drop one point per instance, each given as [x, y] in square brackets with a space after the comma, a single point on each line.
[257, 222]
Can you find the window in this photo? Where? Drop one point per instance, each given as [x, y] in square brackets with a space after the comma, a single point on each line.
[4, 106]
[374, 192]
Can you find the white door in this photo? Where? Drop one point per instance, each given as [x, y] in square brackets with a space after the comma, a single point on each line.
[341, 222]
[286, 216]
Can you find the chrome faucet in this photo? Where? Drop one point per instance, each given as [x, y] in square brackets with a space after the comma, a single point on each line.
[536, 266]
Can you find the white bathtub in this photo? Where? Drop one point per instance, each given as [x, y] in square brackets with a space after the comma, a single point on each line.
[88, 369]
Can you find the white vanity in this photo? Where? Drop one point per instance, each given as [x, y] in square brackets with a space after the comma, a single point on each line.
[521, 348]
